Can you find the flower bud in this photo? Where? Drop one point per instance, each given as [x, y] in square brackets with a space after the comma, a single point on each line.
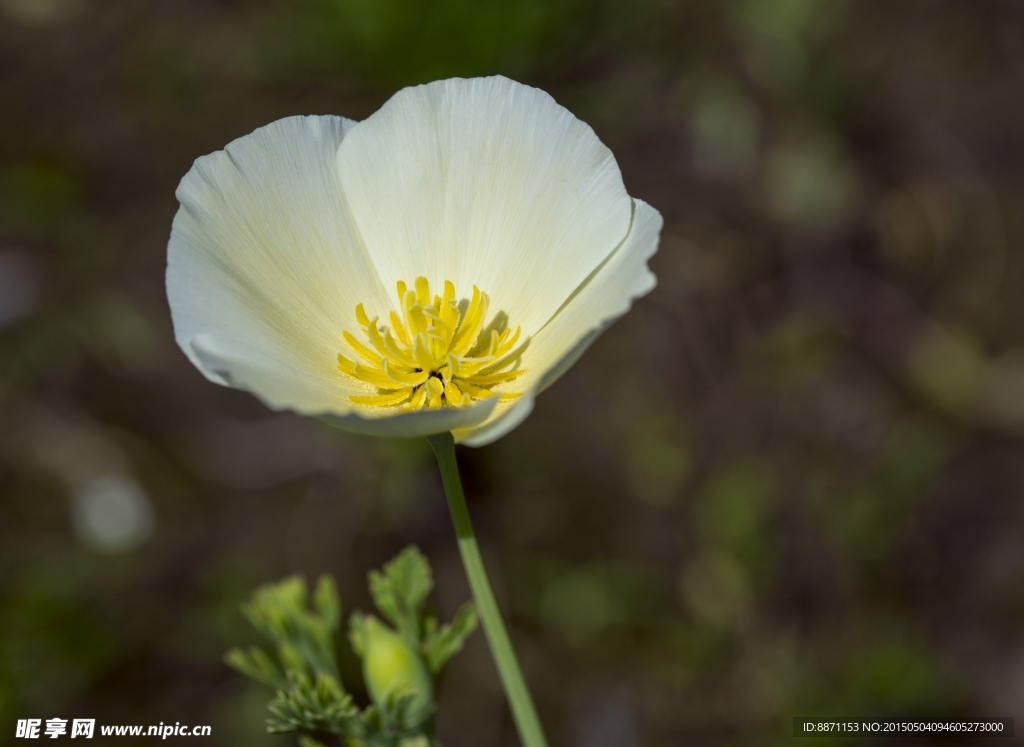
[391, 668]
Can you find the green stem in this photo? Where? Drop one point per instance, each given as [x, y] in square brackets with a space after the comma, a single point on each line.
[525, 715]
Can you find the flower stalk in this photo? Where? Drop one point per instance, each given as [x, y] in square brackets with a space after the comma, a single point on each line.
[523, 711]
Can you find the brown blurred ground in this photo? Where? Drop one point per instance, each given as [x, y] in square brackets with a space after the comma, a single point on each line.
[789, 482]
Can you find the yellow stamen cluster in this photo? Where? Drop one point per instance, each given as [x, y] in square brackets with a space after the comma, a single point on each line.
[433, 354]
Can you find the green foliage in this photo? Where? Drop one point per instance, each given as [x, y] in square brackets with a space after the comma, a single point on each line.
[399, 593]
[441, 644]
[256, 665]
[401, 589]
[327, 603]
[399, 663]
[304, 638]
[319, 705]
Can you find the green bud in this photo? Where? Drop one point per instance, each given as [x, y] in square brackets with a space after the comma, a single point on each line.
[391, 669]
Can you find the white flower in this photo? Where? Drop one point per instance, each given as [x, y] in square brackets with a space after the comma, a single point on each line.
[373, 274]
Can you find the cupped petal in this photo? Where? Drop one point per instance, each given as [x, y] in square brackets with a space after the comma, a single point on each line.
[413, 424]
[256, 369]
[485, 182]
[265, 266]
[601, 299]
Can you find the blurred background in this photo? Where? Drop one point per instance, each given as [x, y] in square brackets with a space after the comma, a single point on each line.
[789, 482]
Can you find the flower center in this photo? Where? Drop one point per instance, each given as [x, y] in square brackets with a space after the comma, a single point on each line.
[434, 354]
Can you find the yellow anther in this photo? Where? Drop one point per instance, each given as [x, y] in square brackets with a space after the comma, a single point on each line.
[434, 391]
[376, 377]
[399, 329]
[433, 355]
[364, 352]
[396, 352]
[491, 379]
[453, 365]
[422, 291]
[453, 394]
[397, 375]
[418, 321]
[346, 366]
[382, 400]
[421, 349]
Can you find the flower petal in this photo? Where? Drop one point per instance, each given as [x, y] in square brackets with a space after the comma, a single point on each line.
[414, 424]
[255, 370]
[604, 297]
[485, 182]
[264, 266]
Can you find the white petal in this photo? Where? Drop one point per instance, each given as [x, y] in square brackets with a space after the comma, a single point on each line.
[485, 182]
[502, 420]
[264, 267]
[608, 295]
[273, 375]
[256, 370]
[605, 297]
[411, 424]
